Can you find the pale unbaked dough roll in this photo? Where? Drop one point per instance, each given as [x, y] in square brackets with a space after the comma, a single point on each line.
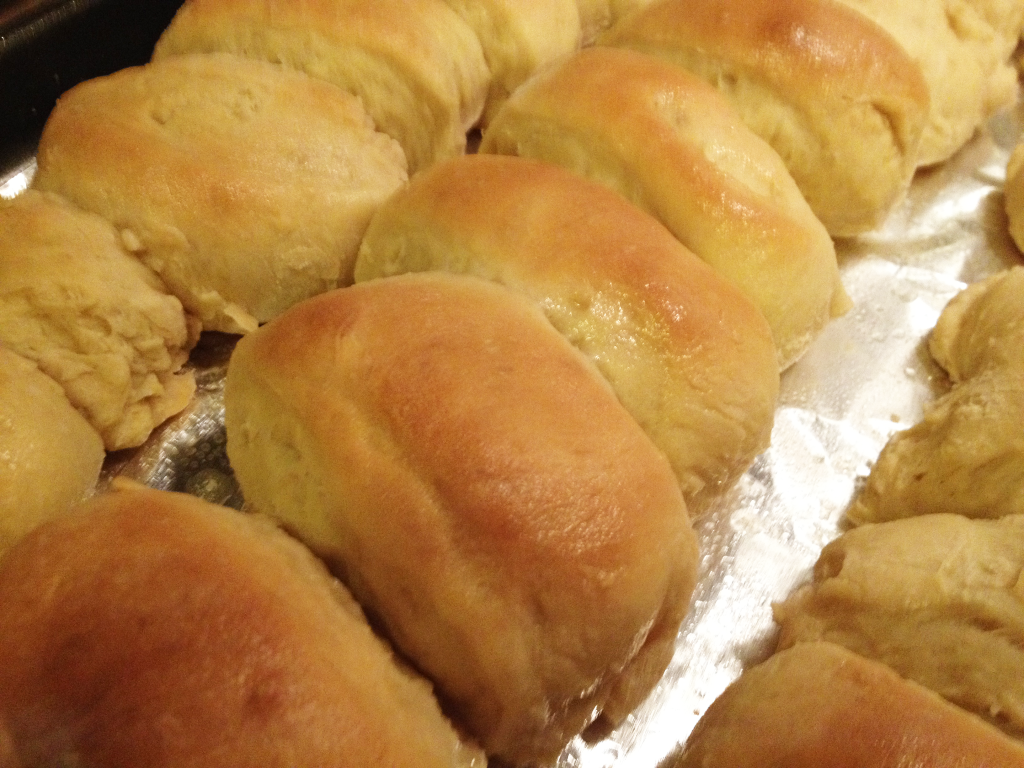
[672, 145]
[518, 37]
[245, 186]
[819, 706]
[50, 456]
[966, 455]
[687, 354]
[92, 317]
[416, 66]
[1004, 17]
[836, 96]
[937, 598]
[963, 47]
[475, 482]
[982, 328]
[154, 629]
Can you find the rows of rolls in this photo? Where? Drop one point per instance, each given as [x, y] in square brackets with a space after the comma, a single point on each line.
[905, 644]
[477, 397]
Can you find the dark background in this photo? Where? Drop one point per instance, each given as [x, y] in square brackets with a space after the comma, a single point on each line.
[47, 46]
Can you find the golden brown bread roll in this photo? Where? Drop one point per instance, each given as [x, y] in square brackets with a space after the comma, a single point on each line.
[963, 47]
[938, 598]
[966, 455]
[597, 15]
[153, 629]
[518, 37]
[245, 186]
[475, 482]
[416, 66]
[819, 706]
[50, 456]
[673, 146]
[839, 99]
[92, 317]
[687, 354]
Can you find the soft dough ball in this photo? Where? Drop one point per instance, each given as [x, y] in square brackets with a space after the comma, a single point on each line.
[92, 317]
[245, 186]
[50, 456]
[966, 455]
[936, 597]
[416, 67]
[475, 481]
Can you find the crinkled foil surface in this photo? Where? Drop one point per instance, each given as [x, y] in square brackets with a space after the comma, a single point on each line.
[868, 376]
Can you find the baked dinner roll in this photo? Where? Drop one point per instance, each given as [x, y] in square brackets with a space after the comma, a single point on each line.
[820, 706]
[92, 317]
[518, 37]
[475, 482]
[937, 598]
[597, 15]
[673, 146]
[963, 47]
[1005, 18]
[839, 99]
[687, 355]
[50, 456]
[415, 65]
[966, 456]
[154, 629]
[245, 186]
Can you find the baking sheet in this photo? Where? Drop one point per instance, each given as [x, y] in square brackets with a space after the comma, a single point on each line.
[866, 377]
[47, 46]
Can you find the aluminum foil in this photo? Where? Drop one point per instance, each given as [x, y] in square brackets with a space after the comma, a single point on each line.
[866, 377]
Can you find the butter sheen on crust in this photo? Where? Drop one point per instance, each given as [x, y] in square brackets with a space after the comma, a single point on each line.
[474, 481]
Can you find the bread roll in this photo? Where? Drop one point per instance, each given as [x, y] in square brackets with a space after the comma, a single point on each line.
[937, 598]
[966, 456]
[92, 317]
[245, 186]
[1004, 17]
[154, 629]
[839, 99]
[518, 37]
[50, 456]
[597, 15]
[476, 483]
[416, 66]
[819, 706]
[982, 328]
[963, 47]
[687, 355]
[673, 146]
